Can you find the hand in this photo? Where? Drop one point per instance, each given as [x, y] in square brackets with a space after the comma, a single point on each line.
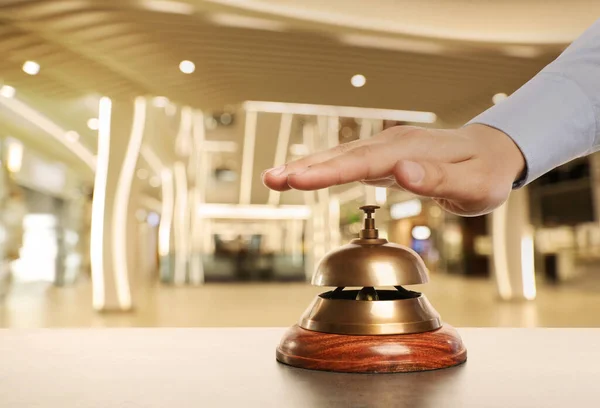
[467, 171]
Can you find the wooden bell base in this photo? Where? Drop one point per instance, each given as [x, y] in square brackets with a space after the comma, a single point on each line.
[395, 353]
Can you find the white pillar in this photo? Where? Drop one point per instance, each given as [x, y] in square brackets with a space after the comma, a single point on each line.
[113, 232]
[512, 243]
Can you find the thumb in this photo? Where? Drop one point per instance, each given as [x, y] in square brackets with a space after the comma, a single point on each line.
[453, 181]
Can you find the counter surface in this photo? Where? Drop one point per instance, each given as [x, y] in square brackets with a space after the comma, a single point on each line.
[236, 367]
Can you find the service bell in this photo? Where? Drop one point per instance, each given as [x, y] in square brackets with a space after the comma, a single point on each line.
[369, 322]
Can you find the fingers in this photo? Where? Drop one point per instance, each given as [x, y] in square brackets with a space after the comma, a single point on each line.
[462, 182]
[370, 161]
[277, 178]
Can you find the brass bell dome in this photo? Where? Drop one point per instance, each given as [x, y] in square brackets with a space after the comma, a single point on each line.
[370, 263]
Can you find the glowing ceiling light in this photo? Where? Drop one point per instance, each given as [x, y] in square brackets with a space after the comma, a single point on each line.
[7, 91]
[358, 81]
[187, 67]
[421, 232]
[31, 67]
[499, 97]
[72, 136]
[93, 123]
[160, 101]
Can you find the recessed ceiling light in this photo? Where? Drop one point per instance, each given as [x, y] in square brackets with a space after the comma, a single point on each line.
[7, 91]
[160, 101]
[358, 81]
[499, 97]
[31, 67]
[72, 136]
[142, 174]
[187, 67]
[93, 123]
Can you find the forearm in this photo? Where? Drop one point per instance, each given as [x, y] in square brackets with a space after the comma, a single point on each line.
[554, 117]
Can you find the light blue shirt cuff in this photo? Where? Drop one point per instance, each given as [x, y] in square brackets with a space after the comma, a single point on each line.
[550, 119]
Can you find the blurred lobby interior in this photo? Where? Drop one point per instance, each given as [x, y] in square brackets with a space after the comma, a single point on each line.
[133, 135]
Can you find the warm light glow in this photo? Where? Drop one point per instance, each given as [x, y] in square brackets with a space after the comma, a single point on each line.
[522, 51]
[406, 209]
[527, 266]
[121, 204]
[261, 212]
[499, 97]
[183, 140]
[93, 124]
[187, 67]
[358, 81]
[341, 111]
[390, 43]
[421, 232]
[384, 310]
[160, 101]
[166, 220]
[253, 23]
[7, 91]
[31, 67]
[72, 136]
[500, 254]
[99, 205]
[181, 223]
[50, 128]
[14, 159]
[380, 195]
[168, 6]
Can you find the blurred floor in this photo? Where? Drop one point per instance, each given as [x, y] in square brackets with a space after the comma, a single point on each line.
[461, 302]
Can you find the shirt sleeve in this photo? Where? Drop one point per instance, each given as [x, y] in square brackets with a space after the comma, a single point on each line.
[554, 117]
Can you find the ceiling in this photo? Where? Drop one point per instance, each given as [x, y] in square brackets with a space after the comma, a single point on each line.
[443, 56]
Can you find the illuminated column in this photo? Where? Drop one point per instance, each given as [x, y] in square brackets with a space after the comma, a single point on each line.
[113, 222]
[512, 243]
[198, 194]
[181, 224]
[313, 248]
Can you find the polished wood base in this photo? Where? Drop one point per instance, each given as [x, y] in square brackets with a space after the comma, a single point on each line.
[394, 353]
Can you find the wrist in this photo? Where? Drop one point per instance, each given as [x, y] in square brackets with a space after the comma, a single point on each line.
[500, 148]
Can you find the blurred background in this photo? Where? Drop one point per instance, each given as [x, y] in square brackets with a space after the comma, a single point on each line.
[133, 134]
